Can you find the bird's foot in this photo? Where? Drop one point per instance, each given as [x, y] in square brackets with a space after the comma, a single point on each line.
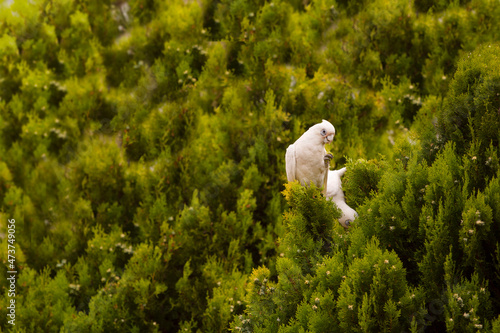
[327, 158]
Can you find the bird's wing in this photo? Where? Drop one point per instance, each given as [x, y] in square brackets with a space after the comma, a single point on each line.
[290, 163]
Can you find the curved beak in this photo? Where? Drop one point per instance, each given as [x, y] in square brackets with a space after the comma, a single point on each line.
[329, 138]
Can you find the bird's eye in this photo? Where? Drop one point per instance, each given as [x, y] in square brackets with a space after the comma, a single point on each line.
[323, 132]
[347, 222]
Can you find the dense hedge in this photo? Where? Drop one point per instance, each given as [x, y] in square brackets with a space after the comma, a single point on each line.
[142, 152]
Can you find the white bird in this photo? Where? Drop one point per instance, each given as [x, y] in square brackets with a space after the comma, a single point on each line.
[335, 194]
[306, 159]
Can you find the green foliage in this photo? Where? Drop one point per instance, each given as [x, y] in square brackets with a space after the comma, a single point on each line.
[470, 114]
[468, 302]
[322, 288]
[374, 295]
[361, 180]
[308, 226]
[142, 156]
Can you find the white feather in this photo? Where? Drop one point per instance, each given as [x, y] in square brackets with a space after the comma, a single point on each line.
[336, 195]
[305, 158]
[290, 163]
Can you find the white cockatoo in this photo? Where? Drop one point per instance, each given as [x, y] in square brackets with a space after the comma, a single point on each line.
[335, 194]
[306, 159]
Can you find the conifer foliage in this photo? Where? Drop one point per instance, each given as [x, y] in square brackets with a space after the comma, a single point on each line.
[142, 150]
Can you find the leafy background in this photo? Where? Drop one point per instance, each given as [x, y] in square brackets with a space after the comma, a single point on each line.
[142, 156]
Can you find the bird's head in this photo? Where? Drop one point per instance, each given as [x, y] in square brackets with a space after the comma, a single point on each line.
[326, 130]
